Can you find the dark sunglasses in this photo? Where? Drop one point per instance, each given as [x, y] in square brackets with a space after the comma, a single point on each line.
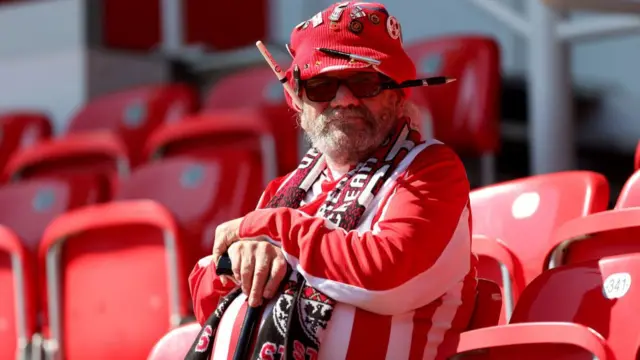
[325, 88]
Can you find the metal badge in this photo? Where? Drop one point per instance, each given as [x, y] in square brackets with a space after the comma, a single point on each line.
[356, 26]
[316, 19]
[336, 14]
[374, 18]
[43, 200]
[299, 26]
[192, 176]
[334, 26]
[134, 114]
[393, 27]
[357, 12]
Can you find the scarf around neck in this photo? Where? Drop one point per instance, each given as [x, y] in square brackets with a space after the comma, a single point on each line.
[294, 328]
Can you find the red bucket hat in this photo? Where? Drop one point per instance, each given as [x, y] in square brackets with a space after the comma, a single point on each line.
[358, 28]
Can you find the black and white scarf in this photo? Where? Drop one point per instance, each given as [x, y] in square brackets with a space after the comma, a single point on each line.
[301, 313]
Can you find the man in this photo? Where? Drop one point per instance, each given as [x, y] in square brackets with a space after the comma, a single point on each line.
[375, 221]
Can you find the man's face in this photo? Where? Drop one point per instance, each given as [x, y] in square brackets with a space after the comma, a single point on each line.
[348, 128]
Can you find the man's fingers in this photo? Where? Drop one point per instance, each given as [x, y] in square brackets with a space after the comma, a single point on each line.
[260, 275]
[278, 272]
[236, 262]
[246, 270]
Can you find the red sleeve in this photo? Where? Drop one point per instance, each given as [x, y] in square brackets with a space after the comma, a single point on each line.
[205, 286]
[419, 248]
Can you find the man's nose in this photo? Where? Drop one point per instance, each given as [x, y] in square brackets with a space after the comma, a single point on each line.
[344, 97]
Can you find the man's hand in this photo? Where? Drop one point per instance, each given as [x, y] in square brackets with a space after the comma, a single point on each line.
[226, 234]
[259, 267]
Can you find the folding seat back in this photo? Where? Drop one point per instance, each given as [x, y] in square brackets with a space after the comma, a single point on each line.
[176, 343]
[20, 130]
[498, 264]
[600, 295]
[199, 193]
[258, 88]
[29, 206]
[241, 141]
[113, 278]
[17, 302]
[524, 213]
[596, 236]
[134, 113]
[488, 308]
[630, 193]
[100, 154]
[464, 114]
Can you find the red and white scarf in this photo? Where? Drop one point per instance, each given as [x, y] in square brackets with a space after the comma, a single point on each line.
[301, 313]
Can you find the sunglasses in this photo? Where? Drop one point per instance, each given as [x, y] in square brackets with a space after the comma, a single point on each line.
[325, 88]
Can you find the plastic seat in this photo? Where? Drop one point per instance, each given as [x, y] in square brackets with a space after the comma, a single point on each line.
[29, 206]
[134, 113]
[499, 265]
[17, 303]
[176, 343]
[241, 137]
[630, 193]
[200, 194]
[571, 312]
[545, 340]
[258, 88]
[100, 154]
[113, 278]
[524, 213]
[596, 236]
[488, 307]
[464, 114]
[21, 130]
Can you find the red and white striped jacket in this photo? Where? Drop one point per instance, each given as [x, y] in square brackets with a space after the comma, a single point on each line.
[404, 280]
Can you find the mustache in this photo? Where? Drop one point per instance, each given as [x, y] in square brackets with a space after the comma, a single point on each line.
[339, 113]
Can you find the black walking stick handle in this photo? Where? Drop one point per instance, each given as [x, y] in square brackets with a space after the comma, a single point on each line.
[251, 317]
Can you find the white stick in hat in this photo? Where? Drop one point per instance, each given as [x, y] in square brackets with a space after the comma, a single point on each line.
[279, 73]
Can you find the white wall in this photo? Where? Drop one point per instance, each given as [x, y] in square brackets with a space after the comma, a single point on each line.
[41, 57]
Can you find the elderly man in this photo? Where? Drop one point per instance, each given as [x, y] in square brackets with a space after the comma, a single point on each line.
[375, 222]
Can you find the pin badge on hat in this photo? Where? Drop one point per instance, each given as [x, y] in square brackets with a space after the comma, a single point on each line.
[335, 26]
[356, 26]
[357, 12]
[316, 19]
[337, 12]
[374, 18]
[393, 27]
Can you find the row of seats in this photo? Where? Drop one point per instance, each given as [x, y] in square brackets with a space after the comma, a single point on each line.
[123, 264]
[561, 262]
[117, 126]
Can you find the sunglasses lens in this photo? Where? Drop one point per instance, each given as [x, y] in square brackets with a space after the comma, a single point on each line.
[322, 90]
[364, 86]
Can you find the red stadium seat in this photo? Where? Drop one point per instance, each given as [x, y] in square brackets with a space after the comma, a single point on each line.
[176, 343]
[133, 114]
[29, 206]
[113, 278]
[465, 114]
[259, 88]
[524, 213]
[546, 340]
[488, 309]
[630, 193]
[637, 167]
[21, 130]
[240, 140]
[195, 192]
[100, 154]
[581, 309]
[596, 236]
[498, 264]
[17, 303]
